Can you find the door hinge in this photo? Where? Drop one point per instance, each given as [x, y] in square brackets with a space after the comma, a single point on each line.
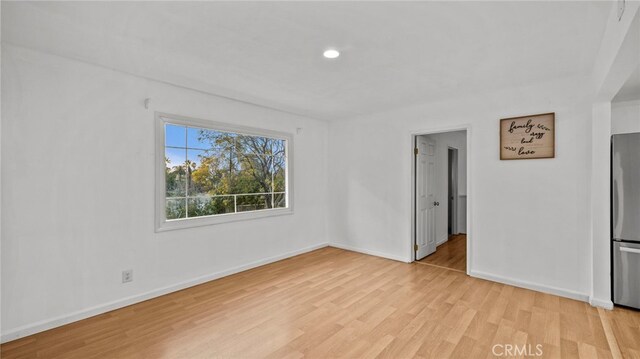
[415, 151]
[415, 247]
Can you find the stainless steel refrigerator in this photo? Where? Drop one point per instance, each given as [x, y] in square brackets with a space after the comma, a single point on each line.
[625, 219]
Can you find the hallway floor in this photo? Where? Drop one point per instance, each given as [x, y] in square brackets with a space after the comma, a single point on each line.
[452, 254]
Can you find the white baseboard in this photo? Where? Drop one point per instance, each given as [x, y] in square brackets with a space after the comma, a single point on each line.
[533, 286]
[47, 324]
[443, 240]
[370, 252]
[601, 303]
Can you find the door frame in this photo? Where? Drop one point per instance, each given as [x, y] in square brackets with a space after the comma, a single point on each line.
[412, 179]
[454, 189]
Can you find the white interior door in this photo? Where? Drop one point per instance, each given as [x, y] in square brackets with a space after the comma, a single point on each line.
[425, 198]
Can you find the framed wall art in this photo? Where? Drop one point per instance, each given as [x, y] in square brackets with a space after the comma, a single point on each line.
[527, 137]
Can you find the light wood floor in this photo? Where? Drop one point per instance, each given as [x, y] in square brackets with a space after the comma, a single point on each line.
[451, 254]
[336, 303]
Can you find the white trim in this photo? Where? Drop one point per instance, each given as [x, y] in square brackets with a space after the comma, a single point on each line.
[161, 223]
[47, 324]
[601, 303]
[370, 252]
[469, 153]
[625, 103]
[220, 218]
[454, 201]
[443, 240]
[469, 218]
[531, 285]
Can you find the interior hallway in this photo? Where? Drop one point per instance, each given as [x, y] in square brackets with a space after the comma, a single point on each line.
[337, 303]
[452, 254]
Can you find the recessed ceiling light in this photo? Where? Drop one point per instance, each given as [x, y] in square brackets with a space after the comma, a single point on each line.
[331, 53]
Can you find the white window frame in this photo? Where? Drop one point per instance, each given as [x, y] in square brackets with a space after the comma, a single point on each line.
[162, 224]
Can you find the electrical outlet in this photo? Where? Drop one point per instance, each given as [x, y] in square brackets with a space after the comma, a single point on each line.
[127, 275]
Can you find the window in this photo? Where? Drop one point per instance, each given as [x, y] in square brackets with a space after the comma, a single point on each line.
[212, 173]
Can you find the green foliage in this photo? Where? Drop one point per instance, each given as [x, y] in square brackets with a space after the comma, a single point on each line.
[233, 164]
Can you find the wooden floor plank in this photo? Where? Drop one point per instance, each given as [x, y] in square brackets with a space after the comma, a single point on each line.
[451, 254]
[335, 303]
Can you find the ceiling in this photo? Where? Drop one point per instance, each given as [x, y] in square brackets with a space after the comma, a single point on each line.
[631, 89]
[394, 54]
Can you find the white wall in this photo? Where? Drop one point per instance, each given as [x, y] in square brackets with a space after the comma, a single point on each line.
[625, 117]
[458, 140]
[78, 192]
[529, 218]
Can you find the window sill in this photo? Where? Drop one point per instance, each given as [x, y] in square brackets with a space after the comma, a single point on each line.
[220, 219]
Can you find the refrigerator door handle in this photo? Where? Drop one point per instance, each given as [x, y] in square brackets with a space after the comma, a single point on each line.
[630, 250]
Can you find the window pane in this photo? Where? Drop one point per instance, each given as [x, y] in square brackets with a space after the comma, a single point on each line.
[278, 147]
[216, 142]
[254, 202]
[175, 136]
[254, 145]
[211, 172]
[207, 206]
[175, 208]
[200, 138]
[279, 173]
[203, 176]
[175, 173]
[279, 200]
[254, 174]
[223, 143]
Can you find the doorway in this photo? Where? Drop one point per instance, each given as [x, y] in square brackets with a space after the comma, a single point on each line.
[439, 193]
[452, 190]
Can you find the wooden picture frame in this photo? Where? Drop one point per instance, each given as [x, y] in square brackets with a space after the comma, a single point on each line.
[528, 137]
